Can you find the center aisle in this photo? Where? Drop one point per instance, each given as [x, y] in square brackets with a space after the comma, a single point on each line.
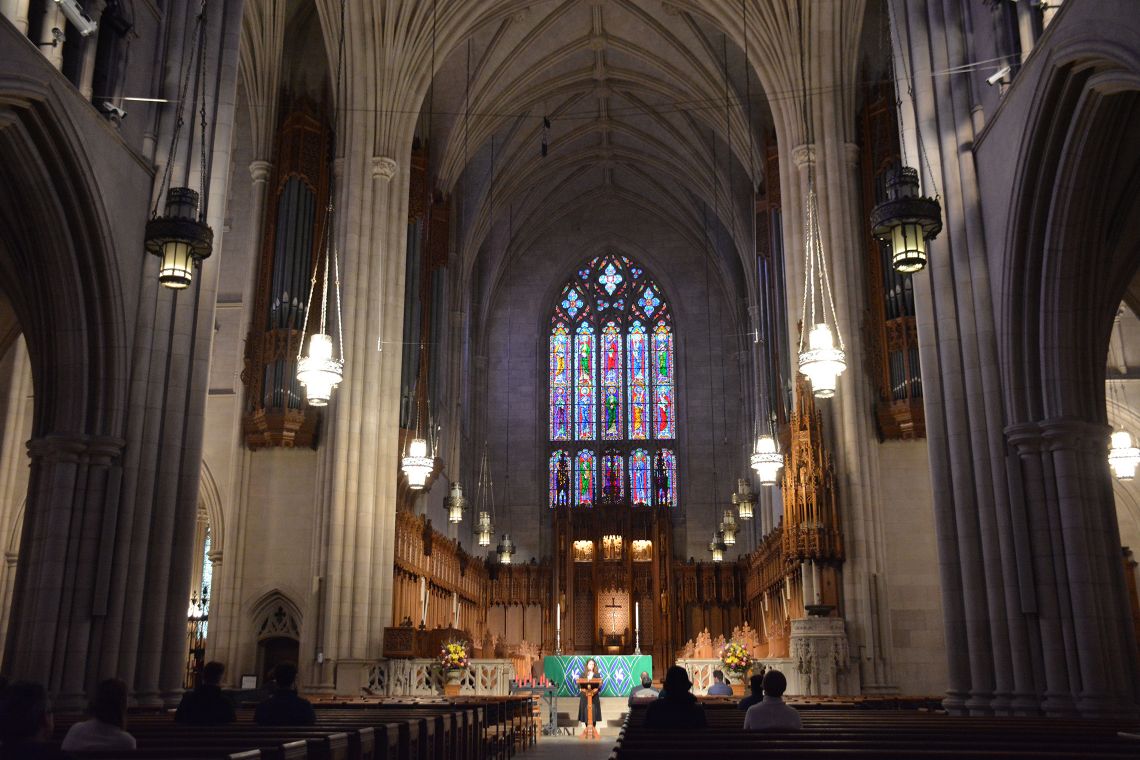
[551, 747]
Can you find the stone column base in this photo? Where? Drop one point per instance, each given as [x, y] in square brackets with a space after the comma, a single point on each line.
[819, 651]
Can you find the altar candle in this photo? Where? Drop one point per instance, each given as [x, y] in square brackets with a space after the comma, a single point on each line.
[558, 619]
[423, 600]
[637, 616]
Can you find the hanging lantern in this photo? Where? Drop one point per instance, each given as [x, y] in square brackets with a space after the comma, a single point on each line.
[319, 372]
[717, 547]
[743, 498]
[728, 528]
[767, 461]
[906, 220]
[417, 465]
[506, 549]
[485, 529]
[455, 503]
[179, 238]
[822, 362]
[1123, 456]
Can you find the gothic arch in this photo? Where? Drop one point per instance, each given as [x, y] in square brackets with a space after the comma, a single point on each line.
[210, 499]
[275, 615]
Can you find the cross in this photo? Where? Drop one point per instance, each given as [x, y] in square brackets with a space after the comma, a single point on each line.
[613, 607]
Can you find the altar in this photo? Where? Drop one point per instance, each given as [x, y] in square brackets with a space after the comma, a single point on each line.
[619, 673]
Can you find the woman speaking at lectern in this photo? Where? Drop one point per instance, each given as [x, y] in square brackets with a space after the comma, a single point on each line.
[591, 671]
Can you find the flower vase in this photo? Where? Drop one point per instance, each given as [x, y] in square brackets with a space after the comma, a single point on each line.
[452, 677]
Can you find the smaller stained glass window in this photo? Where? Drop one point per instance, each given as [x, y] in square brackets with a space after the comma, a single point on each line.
[665, 478]
[610, 278]
[613, 477]
[640, 487]
[584, 475]
[559, 478]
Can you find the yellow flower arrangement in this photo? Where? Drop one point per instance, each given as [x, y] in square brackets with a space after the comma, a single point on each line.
[735, 657]
[453, 655]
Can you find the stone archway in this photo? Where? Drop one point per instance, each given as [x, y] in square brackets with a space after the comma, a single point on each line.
[1073, 247]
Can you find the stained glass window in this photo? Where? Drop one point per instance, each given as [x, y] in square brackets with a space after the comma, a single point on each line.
[611, 373]
[611, 383]
[585, 372]
[640, 487]
[613, 477]
[560, 489]
[584, 472]
[560, 383]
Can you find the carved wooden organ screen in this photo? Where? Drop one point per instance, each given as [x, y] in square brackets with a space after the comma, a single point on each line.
[275, 410]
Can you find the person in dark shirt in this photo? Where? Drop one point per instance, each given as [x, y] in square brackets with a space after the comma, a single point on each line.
[677, 707]
[26, 723]
[643, 691]
[757, 695]
[285, 708]
[206, 705]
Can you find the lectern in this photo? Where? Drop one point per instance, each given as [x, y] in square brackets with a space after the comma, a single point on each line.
[590, 688]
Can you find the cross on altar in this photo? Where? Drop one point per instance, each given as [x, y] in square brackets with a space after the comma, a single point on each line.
[613, 607]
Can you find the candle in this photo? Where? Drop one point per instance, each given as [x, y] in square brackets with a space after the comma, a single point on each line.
[423, 600]
[637, 616]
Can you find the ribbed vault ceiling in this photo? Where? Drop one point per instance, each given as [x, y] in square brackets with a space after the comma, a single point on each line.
[636, 95]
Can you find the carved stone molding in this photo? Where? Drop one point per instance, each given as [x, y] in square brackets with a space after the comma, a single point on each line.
[384, 167]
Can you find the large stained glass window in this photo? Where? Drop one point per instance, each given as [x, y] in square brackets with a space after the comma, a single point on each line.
[612, 388]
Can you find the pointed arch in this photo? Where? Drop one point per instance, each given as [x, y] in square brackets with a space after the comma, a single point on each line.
[275, 615]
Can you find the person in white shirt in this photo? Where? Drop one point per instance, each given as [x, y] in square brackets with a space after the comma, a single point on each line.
[772, 714]
[104, 731]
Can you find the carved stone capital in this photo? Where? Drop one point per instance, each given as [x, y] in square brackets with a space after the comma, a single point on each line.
[802, 155]
[851, 153]
[1067, 433]
[383, 167]
[57, 448]
[259, 171]
[1025, 437]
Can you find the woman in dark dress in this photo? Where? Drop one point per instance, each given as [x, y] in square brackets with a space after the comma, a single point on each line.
[591, 671]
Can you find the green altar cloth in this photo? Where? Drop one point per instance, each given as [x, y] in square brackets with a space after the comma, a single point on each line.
[619, 673]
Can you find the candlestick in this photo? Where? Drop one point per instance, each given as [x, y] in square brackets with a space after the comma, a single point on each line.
[558, 629]
[637, 627]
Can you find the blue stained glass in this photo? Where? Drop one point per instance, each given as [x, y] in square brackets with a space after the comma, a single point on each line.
[649, 301]
[584, 471]
[640, 486]
[572, 303]
[610, 278]
[635, 272]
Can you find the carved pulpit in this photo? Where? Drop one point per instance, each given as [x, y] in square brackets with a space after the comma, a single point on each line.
[589, 688]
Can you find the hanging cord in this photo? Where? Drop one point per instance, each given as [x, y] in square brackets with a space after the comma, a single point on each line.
[710, 251]
[200, 89]
[510, 303]
[330, 254]
[910, 94]
[179, 121]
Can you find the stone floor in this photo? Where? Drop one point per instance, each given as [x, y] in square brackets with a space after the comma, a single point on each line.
[551, 747]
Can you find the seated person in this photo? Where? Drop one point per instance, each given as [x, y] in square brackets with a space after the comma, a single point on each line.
[757, 685]
[26, 723]
[206, 705]
[676, 707]
[643, 691]
[771, 714]
[103, 732]
[285, 708]
[719, 688]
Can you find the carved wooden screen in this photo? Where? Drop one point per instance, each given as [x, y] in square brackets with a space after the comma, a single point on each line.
[275, 410]
[891, 330]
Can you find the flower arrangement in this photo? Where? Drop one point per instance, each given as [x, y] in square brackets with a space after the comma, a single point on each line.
[735, 657]
[453, 656]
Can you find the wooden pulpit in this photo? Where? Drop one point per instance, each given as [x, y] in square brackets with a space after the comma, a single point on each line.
[590, 688]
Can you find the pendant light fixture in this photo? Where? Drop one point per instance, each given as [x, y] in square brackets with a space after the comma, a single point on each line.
[744, 499]
[180, 238]
[718, 547]
[417, 463]
[1123, 456]
[906, 220]
[820, 359]
[322, 369]
[767, 460]
[455, 503]
[484, 498]
[728, 527]
[506, 550]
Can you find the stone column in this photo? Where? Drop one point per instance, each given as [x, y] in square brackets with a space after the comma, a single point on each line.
[16, 11]
[90, 46]
[51, 45]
